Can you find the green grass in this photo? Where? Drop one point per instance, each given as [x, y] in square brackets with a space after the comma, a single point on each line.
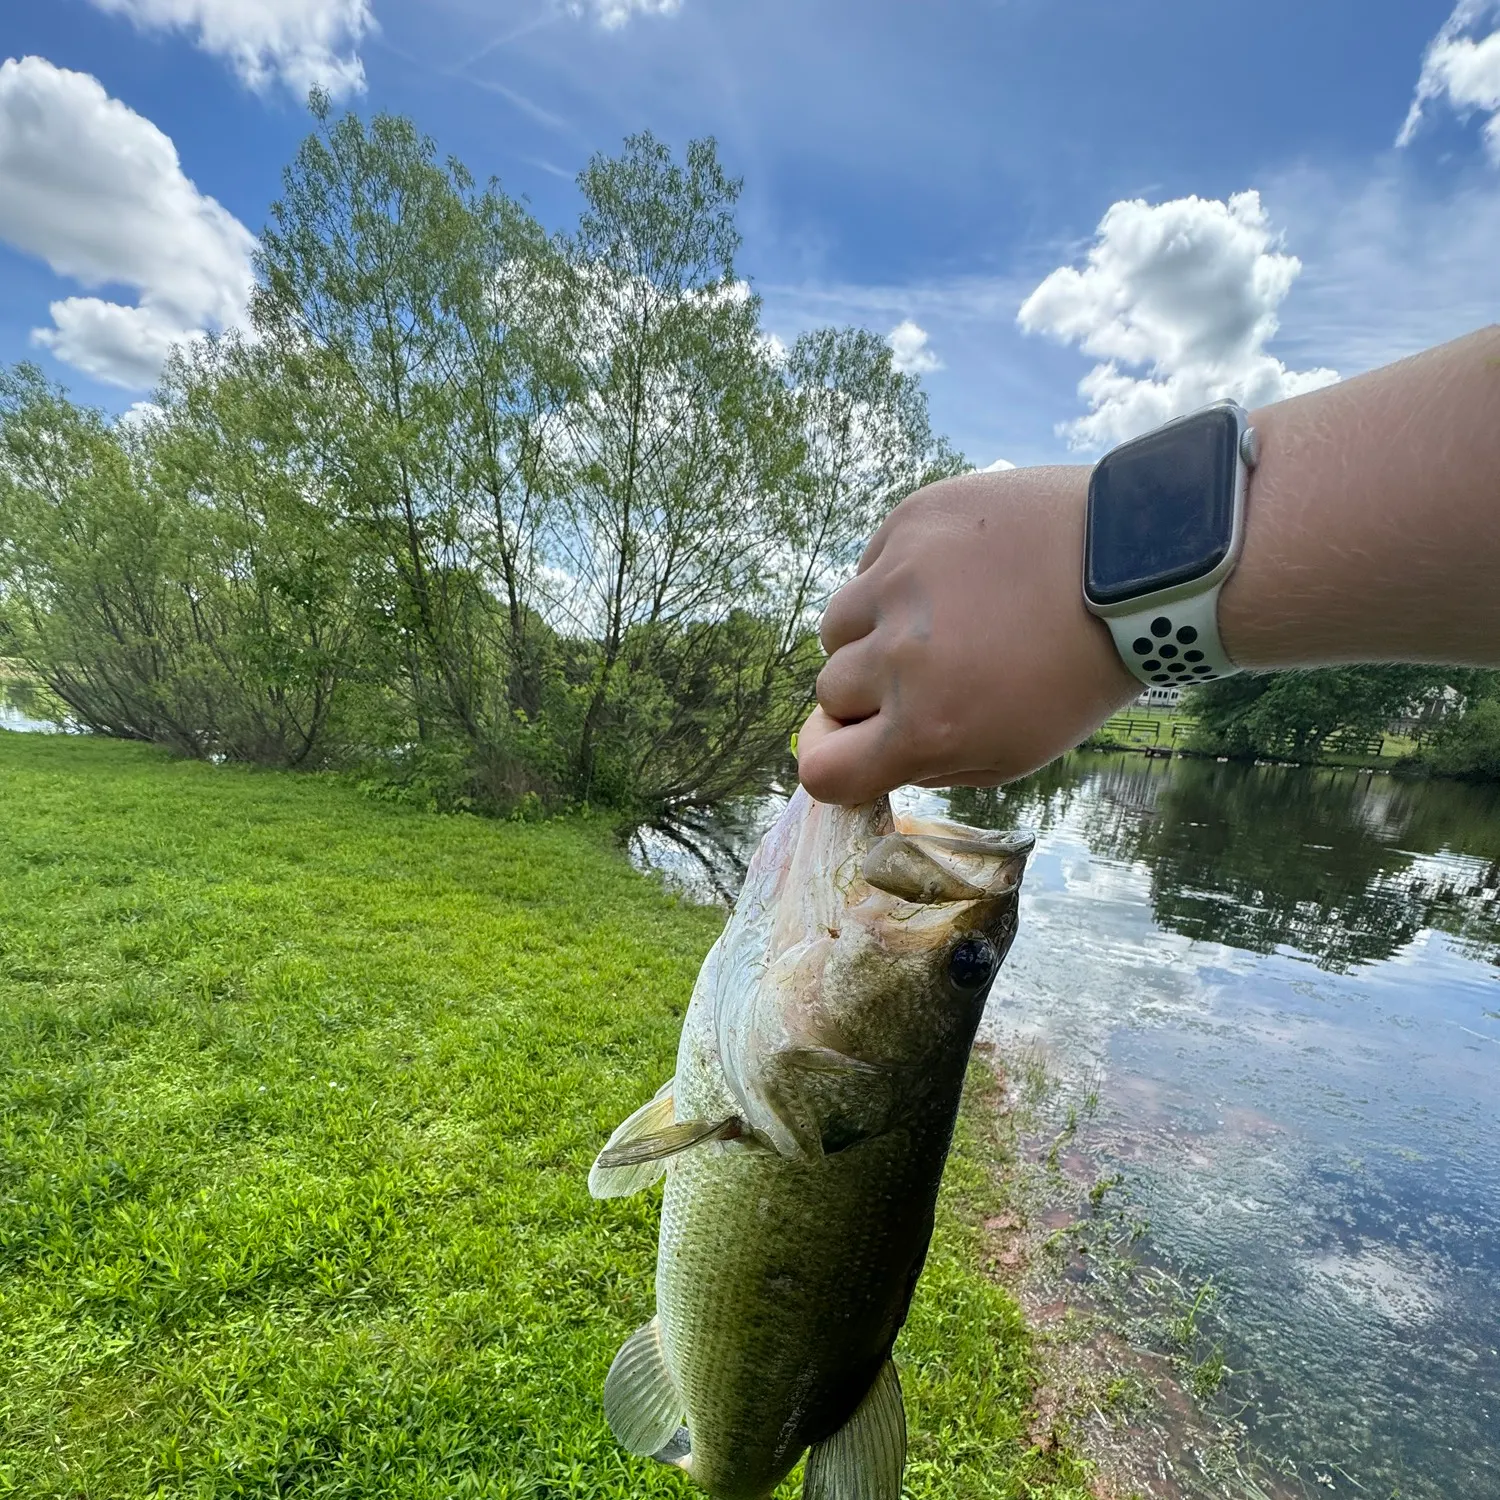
[298, 1092]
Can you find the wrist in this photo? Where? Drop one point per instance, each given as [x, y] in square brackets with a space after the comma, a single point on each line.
[1247, 603]
[1278, 608]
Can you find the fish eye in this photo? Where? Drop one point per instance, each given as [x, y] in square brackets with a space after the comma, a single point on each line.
[972, 964]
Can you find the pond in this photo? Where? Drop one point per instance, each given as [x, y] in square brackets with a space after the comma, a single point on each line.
[12, 718]
[1285, 986]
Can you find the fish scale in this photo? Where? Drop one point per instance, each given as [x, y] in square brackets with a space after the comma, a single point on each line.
[775, 1322]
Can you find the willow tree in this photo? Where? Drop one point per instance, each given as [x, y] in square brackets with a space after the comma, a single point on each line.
[87, 559]
[268, 574]
[676, 422]
[383, 287]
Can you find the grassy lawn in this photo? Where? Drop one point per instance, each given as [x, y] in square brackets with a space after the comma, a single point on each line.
[298, 1092]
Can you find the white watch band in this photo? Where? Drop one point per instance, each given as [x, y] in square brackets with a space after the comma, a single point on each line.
[1173, 645]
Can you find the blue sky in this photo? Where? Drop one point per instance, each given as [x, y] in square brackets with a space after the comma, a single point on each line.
[936, 166]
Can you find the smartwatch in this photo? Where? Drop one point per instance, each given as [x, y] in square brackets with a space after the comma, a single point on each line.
[1166, 521]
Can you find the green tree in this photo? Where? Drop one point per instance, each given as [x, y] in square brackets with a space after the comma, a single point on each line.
[373, 249]
[677, 431]
[87, 553]
[1466, 744]
[1294, 714]
[266, 572]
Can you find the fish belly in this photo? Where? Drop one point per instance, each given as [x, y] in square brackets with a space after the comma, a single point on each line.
[780, 1288]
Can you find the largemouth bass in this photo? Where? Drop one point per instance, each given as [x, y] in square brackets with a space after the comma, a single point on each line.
[803, 1138]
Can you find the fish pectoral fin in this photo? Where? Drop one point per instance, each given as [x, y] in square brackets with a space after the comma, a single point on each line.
[637, 1153]
[666, 1143]
[653, 1116]
[866, 1457]
[641, 1403]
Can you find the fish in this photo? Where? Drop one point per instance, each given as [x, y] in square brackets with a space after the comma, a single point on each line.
[803, 1138]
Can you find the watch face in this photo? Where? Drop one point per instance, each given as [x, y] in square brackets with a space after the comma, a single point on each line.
[1161, 509]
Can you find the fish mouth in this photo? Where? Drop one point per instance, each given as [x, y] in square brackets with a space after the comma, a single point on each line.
[821, 861]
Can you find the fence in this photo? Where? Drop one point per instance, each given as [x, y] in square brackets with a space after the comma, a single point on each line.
[1145, 729]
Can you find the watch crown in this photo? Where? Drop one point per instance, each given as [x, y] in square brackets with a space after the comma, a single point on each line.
[1250, 447]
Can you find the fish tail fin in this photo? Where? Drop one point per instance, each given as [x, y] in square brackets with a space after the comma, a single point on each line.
[641, 1403]
[866, 1457]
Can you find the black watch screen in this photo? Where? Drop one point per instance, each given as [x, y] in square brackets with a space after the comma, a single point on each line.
[1161, 508]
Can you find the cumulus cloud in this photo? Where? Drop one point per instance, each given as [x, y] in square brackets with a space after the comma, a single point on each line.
[909, 351]
[1463, 68]
[999, 466]
[97, 192]
[301, 43]
[612, 14]
[1186, 291]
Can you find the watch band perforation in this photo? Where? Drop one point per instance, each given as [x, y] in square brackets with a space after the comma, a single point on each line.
[1174, 645]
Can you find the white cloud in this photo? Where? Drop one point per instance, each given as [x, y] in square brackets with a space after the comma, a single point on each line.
[109, 341]
[1464, 69]
[612, 14]
[999, 466]
[1188, 290]
[299, 42]
[97, 192]
[139, 414]
[909, 351]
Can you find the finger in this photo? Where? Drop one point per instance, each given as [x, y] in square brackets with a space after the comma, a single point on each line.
[850, 614]
[850, 763]
[851, 684]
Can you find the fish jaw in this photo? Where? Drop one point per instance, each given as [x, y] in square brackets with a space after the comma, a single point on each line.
[833, 968]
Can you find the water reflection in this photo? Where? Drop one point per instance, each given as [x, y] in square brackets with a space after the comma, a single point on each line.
[1286, 985]
[13, 719]
[1346, 867]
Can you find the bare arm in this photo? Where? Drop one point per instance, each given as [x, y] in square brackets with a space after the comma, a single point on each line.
[961, 653]
[1373, 532]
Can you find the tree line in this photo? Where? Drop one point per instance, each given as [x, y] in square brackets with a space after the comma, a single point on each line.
[1452, 712]
[500, 516]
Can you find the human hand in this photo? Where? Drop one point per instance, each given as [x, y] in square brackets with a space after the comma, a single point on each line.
[961, 653]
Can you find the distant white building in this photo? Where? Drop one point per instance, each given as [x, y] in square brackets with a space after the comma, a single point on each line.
[1160, 697]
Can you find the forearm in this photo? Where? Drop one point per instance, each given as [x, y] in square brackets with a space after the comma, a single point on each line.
[1373, 524]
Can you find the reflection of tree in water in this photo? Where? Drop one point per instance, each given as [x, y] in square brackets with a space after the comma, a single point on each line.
[1329, 863]
[1040, 802]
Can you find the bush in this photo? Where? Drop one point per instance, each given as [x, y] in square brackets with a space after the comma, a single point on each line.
[1468, 745]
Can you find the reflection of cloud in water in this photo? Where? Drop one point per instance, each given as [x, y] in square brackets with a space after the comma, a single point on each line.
[1404, 1291]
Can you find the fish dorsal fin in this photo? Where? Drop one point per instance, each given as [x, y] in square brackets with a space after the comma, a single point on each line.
[637, 1153]
[865, 1458]
[641, 1403]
